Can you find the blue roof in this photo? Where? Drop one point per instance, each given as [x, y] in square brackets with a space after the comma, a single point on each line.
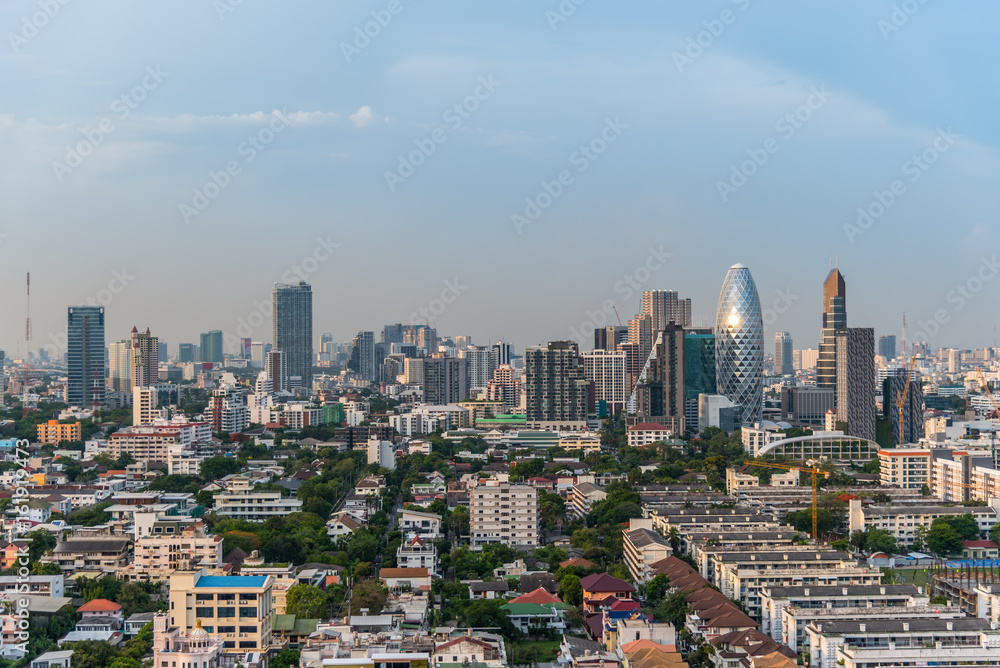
[231, 581]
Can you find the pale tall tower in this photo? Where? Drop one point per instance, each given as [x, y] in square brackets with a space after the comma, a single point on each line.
[664, 307]
[739, 345]
[783, 354]
[120, 365]
[293, 328]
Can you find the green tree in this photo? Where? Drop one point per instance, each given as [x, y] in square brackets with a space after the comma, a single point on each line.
[41, 542]
[673, 609]
[656, 589]
[964, 525]
[479, 614]
[214, 468]
[943, 540]
[570, 590]
[306, 602]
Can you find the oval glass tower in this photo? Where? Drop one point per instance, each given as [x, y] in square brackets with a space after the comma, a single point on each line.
[739, 345]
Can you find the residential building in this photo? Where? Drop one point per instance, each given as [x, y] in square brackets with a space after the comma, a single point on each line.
[557, 390]
[645, 433]
[445, 380]
[145, 358]
[664, 307]
[85, 375]
[607, 370]
[904, 468]
[362, 357]
[120, 366]
[145, 402]
[33, 585]
[504, 513]
[902, 522]
[241, 502]
[582, 497]
[54, 431]
[382, 453]
[233, 609]
[739, 345]
[855, 402]
[425, 525]
[643, 547]
[145, 443]
[661, 393]
[107, 555]
[599, 587]
[172, 546]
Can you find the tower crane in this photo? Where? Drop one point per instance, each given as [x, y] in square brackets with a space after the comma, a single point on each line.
[901, 400]
[815, 488]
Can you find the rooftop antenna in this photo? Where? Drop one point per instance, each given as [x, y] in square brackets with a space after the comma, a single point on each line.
[26, 373]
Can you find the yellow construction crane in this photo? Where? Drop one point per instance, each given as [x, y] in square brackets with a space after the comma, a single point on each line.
[901, 400]
[815, 488]
[986, 388]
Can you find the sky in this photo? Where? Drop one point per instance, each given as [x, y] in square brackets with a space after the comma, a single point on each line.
[504, 170]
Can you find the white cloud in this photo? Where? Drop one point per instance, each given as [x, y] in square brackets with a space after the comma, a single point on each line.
[362, 117]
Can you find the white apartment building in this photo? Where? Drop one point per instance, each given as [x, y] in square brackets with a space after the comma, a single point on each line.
[145, 402]
[902, 521]
[241, 502]
[144, 443]
[608, 371]
[645, 433]
[382, 453]
[504, 513]
[904, 467]
[170, 547]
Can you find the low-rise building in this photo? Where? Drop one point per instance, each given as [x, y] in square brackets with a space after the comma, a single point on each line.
[107, 555]
[241, 502]
[643, 547]
[54, 431]
[904, 467]
[583, 496]
[902, 522]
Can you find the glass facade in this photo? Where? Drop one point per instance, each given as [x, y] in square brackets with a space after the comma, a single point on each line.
[85, 355]
[739, 345]
[293, 328]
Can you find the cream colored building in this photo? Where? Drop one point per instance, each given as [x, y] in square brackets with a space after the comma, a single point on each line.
[172, 646]
[904, 467]
[586, 442]
[583, 496]
[171, 547]
[234, 609]
[144, 443]
[243, 503]
[643, 547]
[504, 513]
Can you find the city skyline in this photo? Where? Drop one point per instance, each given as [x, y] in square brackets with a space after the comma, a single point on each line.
[322, 178]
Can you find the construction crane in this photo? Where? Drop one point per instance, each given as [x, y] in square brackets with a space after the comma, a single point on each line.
[901, 400]
[992, 416]
[815, 487]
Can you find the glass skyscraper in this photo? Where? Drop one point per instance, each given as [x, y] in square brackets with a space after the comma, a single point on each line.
[739, 345]
[293, 328]
[211, 347]
[834, 318]
[85, 355]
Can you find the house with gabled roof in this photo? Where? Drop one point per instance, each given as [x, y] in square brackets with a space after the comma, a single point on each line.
[600, 586]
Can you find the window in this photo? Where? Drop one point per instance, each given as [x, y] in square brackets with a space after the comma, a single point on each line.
[209, 629]
[227, 597]
[204, 597]
[247, 644]
[204, 612]
[227, 612]
[248, 629]
[248, 597]
[248, 612]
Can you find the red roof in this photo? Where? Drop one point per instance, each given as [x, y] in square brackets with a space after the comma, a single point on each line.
[99, 605]
[626, 606]
[539, 596]
[979, 544]
[648, 426]
[602, 582]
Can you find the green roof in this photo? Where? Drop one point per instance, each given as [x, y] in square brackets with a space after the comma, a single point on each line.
[304, 627]
[284, 622]
[526, 609]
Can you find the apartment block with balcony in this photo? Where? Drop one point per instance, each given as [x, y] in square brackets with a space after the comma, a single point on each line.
[233, 609]
[583, 496]
[54, 431]
[902, 522]
[643, 547]
[160, 554]
[144, 443]
[243, 503]
[904, 467]
[107, 555]
[913, 642]
[504, 513]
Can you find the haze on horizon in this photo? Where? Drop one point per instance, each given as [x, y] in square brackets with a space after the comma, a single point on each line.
[682, 138]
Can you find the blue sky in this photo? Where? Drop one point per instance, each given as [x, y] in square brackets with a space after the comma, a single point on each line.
[888, 84]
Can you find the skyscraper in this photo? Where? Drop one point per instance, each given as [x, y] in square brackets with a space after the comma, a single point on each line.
[783, 350]
[834, 318]
[362, 359]
[855, 381]
[211, 347]
[185, 352]
[120, 366]
[608, 338]
[664, 307]
[661, 394]
[276, 370]
[739, 345]
[392, 334]
[502, 353]
[479, 361]
[85, 355]
[556, 389]
[145, 358]
[257, 354]
[887, 346]
[445, 380]
[913, 408]
[293, 328]
[606, 369]
[699, 372]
